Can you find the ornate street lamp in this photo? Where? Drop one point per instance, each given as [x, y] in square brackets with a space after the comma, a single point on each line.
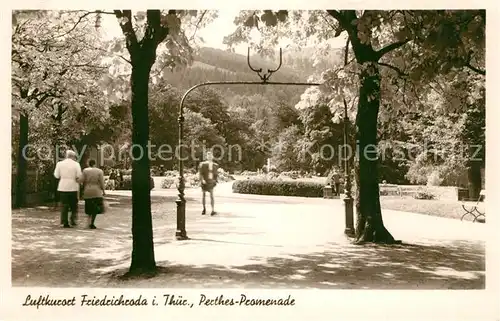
[348, 200]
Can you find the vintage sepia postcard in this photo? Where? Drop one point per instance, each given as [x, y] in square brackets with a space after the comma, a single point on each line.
[227, 162]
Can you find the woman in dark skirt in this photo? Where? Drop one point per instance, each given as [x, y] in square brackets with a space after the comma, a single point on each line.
[93, 192]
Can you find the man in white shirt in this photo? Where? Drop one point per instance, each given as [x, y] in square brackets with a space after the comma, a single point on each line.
[68, 171]
[208, 177]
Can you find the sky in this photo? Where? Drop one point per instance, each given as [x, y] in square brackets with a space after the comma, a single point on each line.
[213, 34]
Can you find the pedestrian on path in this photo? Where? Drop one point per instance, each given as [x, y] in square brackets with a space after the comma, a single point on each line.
[112, 179]
[208, 178]
[335, 177]
[68, 171]
[93, 192]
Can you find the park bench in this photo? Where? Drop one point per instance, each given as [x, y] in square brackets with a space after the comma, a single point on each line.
[471, 208]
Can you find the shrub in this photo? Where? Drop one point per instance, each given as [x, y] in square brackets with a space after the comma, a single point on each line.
[272, 175]
[282, 188]
[384, 192]
[423, 195]
[249, 173]
[434, 178]
[107, 185]
[167, 182]
[126, 184]
[224, 176]
[291, 174]
[193, 180]
[171, 174]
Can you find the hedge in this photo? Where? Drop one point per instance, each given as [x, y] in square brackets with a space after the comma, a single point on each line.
[281, 188]
[127, 183]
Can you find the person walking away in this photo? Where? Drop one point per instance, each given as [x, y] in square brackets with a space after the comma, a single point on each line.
[112, 179]
[93, 192]
[120, 177]
[336, 181]
[68, 171]
[208, 178]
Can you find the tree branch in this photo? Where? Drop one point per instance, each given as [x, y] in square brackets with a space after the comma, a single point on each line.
[338, 30]
[475, 69]
[396, 69]
[154, 30]
[467, 64]
[346, 53]
[74, 26]
[40, 101]
[127, 29]
[337, 15]
[391, 47]
[130, 62]
[198, 24]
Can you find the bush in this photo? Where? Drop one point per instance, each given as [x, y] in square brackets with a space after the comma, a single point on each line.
[107, 185]
[167, 182]
[272, 175]
[249, 173]
[126, 184]
[171, 174]
[423, 195]
[193, 180]
[434, 179]
[291, 174]
[224, 176]
[384, 192]
[282, 188]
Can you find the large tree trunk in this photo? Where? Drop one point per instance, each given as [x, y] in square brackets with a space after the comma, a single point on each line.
[474, 179]
[143, 259]
[22, 165]
[369, 226]
[474, 137]
[57, 140]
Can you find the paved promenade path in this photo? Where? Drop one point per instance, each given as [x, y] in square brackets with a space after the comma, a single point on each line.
[255, 241]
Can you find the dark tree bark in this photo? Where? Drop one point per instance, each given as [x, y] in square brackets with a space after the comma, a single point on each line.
[474, 179]
[85, 154]
[22, 164]
[57, 141]
[474, 138]
[143, 258]
[369, 226]
[142, 58]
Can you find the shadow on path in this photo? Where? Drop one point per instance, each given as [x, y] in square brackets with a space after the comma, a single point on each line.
[454, 265]
[43, 254]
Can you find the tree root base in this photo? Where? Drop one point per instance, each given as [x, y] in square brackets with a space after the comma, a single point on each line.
[379, 235]
[145, 273]
[385, 242]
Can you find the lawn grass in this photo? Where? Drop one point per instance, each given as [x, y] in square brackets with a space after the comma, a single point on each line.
[441, 208]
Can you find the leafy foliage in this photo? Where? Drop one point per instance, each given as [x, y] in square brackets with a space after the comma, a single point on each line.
[51, 59]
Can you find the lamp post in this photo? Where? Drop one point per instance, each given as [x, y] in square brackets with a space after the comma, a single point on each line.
[348, 200]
